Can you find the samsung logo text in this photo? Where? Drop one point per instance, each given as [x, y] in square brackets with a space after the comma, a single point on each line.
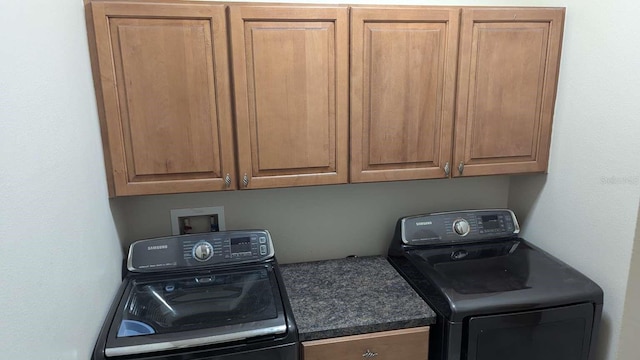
[157, 247]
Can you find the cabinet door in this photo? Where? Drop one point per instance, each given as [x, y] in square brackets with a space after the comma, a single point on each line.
[162, 83]
[403, 68]
[290, 67]
[508, 73]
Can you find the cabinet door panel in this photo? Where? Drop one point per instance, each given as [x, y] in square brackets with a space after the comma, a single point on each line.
[165, 92]
[290, 69]
[508, 74]
[402, 92]
[175, 107]
[285, 62]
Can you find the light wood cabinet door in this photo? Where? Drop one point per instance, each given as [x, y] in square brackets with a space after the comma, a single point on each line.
[290, 69]
[162, 84]
[403, 73]
[508, 72]
[406, 344]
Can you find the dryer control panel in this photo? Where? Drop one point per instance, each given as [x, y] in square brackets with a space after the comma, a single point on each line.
[198, 250]
[458, 227]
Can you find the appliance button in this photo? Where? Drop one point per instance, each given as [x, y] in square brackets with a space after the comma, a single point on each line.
[263, 249]
[262, 239]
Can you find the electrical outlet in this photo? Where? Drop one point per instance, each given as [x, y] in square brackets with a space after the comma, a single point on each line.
[197, 220]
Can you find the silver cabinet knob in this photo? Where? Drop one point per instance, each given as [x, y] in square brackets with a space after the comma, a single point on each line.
[461, 167]
[447, 169]
[245, 180]
[227, 180]
[369, 354]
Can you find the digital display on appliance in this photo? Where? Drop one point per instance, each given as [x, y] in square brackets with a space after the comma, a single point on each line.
[240, 245]
[490, 222]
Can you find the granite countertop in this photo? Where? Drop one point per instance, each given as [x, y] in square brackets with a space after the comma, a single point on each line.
[351, 296]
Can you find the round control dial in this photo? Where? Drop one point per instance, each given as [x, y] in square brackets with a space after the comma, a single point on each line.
[461, 227]
[202, 251]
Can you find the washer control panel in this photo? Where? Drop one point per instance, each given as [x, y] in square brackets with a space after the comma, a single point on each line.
[458, 226]
[195, 250]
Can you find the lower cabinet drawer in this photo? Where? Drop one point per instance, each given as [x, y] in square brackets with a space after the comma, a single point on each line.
[405, 344]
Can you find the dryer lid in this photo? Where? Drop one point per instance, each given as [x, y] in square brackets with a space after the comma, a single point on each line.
[501, 276]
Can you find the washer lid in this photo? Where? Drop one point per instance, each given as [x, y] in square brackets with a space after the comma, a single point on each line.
[196, 309]
[509, 275]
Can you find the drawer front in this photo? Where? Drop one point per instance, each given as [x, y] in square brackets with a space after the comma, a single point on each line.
[409, 344]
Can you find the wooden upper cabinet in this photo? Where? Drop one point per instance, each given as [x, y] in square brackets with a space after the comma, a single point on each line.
[162, 83]
[403, 72]
[429, 90]
[290, 69]
[508, 72]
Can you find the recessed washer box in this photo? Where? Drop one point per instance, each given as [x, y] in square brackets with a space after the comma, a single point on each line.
[197, 220]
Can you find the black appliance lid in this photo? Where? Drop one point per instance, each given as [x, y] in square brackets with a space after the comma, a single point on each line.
[195, 309]
[502, 276]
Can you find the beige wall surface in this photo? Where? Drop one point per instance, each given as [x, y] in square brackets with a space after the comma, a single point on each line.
[319, 222]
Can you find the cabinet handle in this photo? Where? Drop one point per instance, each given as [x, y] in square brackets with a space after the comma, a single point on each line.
[461, 167]
[447, 169]
[368, 354]
[227, 180]
[245, 180]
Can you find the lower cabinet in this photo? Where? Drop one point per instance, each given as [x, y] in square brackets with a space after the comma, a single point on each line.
[405, 344]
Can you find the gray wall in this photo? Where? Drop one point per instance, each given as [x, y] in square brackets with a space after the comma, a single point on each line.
[321, 222]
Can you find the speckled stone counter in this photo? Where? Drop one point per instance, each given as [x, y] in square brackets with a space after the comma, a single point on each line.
[351, 296]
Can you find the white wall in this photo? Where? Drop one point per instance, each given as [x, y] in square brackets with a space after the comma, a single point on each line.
[60, 253]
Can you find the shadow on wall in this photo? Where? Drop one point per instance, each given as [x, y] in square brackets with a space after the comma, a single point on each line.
[629, 346]
[119, 218]
[524, 193]
[603, 337]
